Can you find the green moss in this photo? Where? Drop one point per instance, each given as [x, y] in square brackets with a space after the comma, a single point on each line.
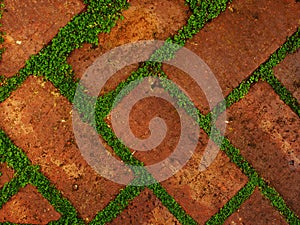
[265, 72]
[13, 156]
[101, 16]
[284, 94]
[11, 188]
[278, 202]
[169, 202]
[2, 6]
[26, 173]
[232, 205]
[51, 62]
[116, 206]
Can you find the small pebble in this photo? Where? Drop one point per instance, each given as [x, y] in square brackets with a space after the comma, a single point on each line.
[75, 187]
[18, 42]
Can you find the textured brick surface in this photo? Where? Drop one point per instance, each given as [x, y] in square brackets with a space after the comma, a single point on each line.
[256, 210]
[144, 20]
[6, 175]
[28, 206]
[203, 193]
[31, 24]
[146, 209]
[39, 121]
[240, 39]
[288, 72]
[267, 133]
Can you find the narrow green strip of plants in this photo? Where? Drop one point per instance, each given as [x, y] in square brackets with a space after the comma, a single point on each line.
[202, 13]
[62, 205]
[170, 203]
[26, 173]
[2, 6]
[116, 206]
[265, 72]
[124, 153]
[284, 94]
[105, 103]
[11, 188]
[255, 180]
[51, 63]
[290, 46]
[232, 205]
[278, 202]
[61, 75]
[13, 155]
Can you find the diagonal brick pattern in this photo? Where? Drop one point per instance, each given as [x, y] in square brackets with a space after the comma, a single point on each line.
[28, 206]
[144, 20]
[145, 209]
[267, 133]
[41, 124]
[243, 37]
[37, 118]
[256, 210]
[203, 193]
[288, 72]
[31, 25]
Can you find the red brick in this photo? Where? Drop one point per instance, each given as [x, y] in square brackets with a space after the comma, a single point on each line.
[28, 206]
[144, 20]
[235, 43]
[201, 194]
[7, 174]
[267, 133]
[39, 120]
[31, 24]
[146, 209]
[288, 72]
[256, 210]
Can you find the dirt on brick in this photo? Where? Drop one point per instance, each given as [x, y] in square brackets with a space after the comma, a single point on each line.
[189, 86]
[203, 193]
[39, 120]
[200, 193]
[140, 117]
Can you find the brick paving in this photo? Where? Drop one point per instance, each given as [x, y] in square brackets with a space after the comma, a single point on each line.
[258, 210]
[238, 41]
[28, 206]
[38, 119]
[29, 26]
[267, 133]
[6, 174]
[143, 21]
[145, 209]
[203, 193]
[288, 72]
[41, 124]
